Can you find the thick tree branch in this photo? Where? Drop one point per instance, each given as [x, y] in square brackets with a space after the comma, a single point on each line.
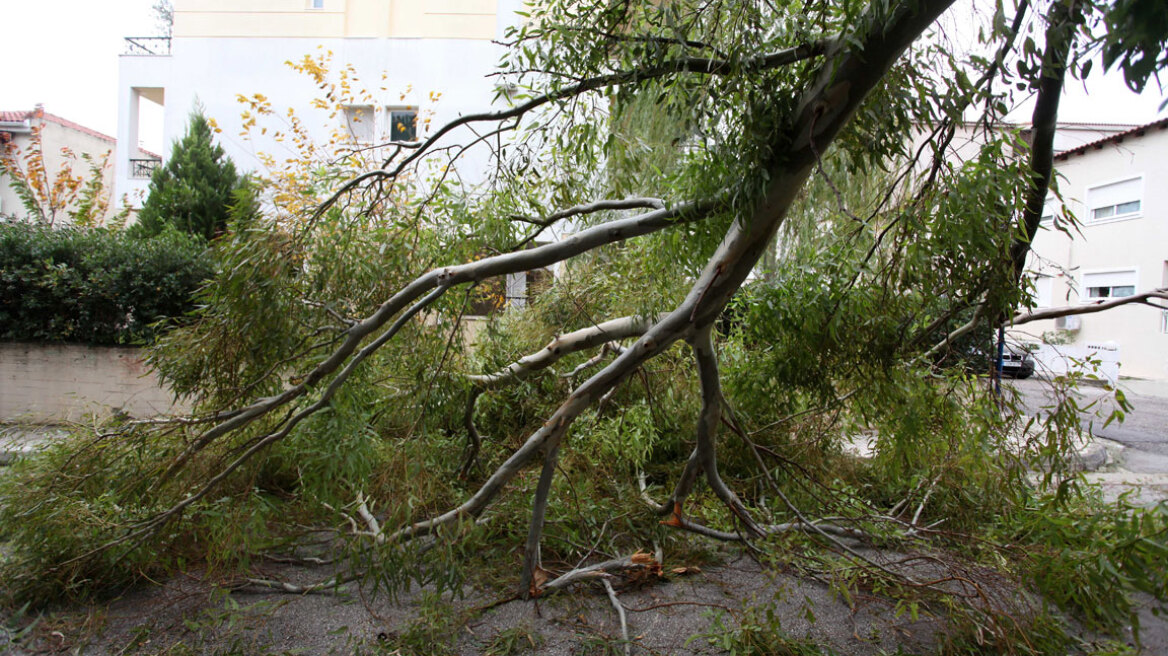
[620, 610]
[563, 345]
[531, 557]
[636, 562]
[1060, 37]
[583, 241]
[1144, 298]
[958, 333]
[708, 422]
[592, 208]
[700, 65]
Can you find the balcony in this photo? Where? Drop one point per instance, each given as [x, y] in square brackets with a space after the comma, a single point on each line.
[146, 46]
[142, 169]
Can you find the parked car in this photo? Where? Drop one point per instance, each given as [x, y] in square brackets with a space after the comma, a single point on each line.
[1016, 360]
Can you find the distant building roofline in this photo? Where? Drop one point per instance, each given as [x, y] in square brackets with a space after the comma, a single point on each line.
[1134, 132]
[26, 117]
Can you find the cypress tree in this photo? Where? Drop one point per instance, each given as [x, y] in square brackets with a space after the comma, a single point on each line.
[194, 191]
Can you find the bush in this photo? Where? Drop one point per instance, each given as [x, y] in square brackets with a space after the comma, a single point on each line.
[193, 191]
[94, 286]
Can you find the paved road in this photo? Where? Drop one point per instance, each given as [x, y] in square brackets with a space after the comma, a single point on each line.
[1143, 433]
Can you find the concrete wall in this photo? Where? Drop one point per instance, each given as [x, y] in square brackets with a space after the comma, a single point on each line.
[52, 383]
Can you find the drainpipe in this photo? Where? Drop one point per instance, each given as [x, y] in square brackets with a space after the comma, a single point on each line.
[1000, 359]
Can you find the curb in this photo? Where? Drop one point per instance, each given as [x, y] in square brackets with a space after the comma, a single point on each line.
[19, 440]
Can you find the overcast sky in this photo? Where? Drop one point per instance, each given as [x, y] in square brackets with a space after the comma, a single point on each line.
[64, 53]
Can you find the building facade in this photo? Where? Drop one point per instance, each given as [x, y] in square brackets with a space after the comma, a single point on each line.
[432, 58]
[1115, 189]
[59, 137]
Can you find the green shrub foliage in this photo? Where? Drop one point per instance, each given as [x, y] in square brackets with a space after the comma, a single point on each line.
[95, 286]
[194, 190]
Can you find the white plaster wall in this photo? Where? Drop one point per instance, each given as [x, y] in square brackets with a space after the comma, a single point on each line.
[47, 383]
[1073, 135]
[215, 71]
[1140, 243]
[138, 71]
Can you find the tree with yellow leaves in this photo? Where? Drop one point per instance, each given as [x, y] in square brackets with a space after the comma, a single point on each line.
[75, 193]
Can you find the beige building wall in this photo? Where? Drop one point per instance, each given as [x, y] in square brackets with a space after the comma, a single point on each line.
[57, 134]
[1134, 246]
[325, 19]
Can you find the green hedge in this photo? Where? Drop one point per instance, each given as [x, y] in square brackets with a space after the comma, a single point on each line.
[94, 286]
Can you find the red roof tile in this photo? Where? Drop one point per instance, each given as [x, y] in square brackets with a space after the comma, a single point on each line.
[19, 116]
[14, 117]
[1137, 131]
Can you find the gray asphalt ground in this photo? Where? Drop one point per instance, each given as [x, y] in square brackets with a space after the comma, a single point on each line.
[1137, 447]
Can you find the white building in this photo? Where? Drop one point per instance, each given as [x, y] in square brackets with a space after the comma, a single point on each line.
[221, 49]
[1117, 189]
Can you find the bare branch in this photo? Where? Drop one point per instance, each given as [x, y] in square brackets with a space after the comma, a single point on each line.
[636, 562]
[956, 334]
[620, 610]
[608, 347]
[580, 340]
[531, 555]
[516, 262]
[1143, 298]
[559, 347]
[591, 208]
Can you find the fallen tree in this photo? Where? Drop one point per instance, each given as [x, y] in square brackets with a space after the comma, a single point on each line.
[671, 144]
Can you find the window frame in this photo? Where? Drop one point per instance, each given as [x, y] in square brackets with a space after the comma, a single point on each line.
[1089, 218]
[1085, 296]
[372, 125]
[1041, 282]
[379, 130]
[1050, 213]
[389, 111]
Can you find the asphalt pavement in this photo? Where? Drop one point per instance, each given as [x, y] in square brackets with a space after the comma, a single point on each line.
[1137, 447]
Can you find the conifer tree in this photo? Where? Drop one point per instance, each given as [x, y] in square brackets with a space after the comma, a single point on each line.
[193, 191]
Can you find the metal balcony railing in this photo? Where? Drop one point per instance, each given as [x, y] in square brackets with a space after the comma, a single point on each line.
[142, 169]
[147, 45]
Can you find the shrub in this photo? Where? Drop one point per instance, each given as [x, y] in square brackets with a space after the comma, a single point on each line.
[94, 286]
[194, 190]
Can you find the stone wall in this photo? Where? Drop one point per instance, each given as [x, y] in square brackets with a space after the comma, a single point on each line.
[48, 383]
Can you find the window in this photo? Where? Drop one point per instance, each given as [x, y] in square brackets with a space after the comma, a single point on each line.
[316, 4]
[403, 124]
[1051, 213]
[368, 124]
[1102, 285]
[1115, 201]
[360, 121]
[1047, 212]
[1043, 290]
